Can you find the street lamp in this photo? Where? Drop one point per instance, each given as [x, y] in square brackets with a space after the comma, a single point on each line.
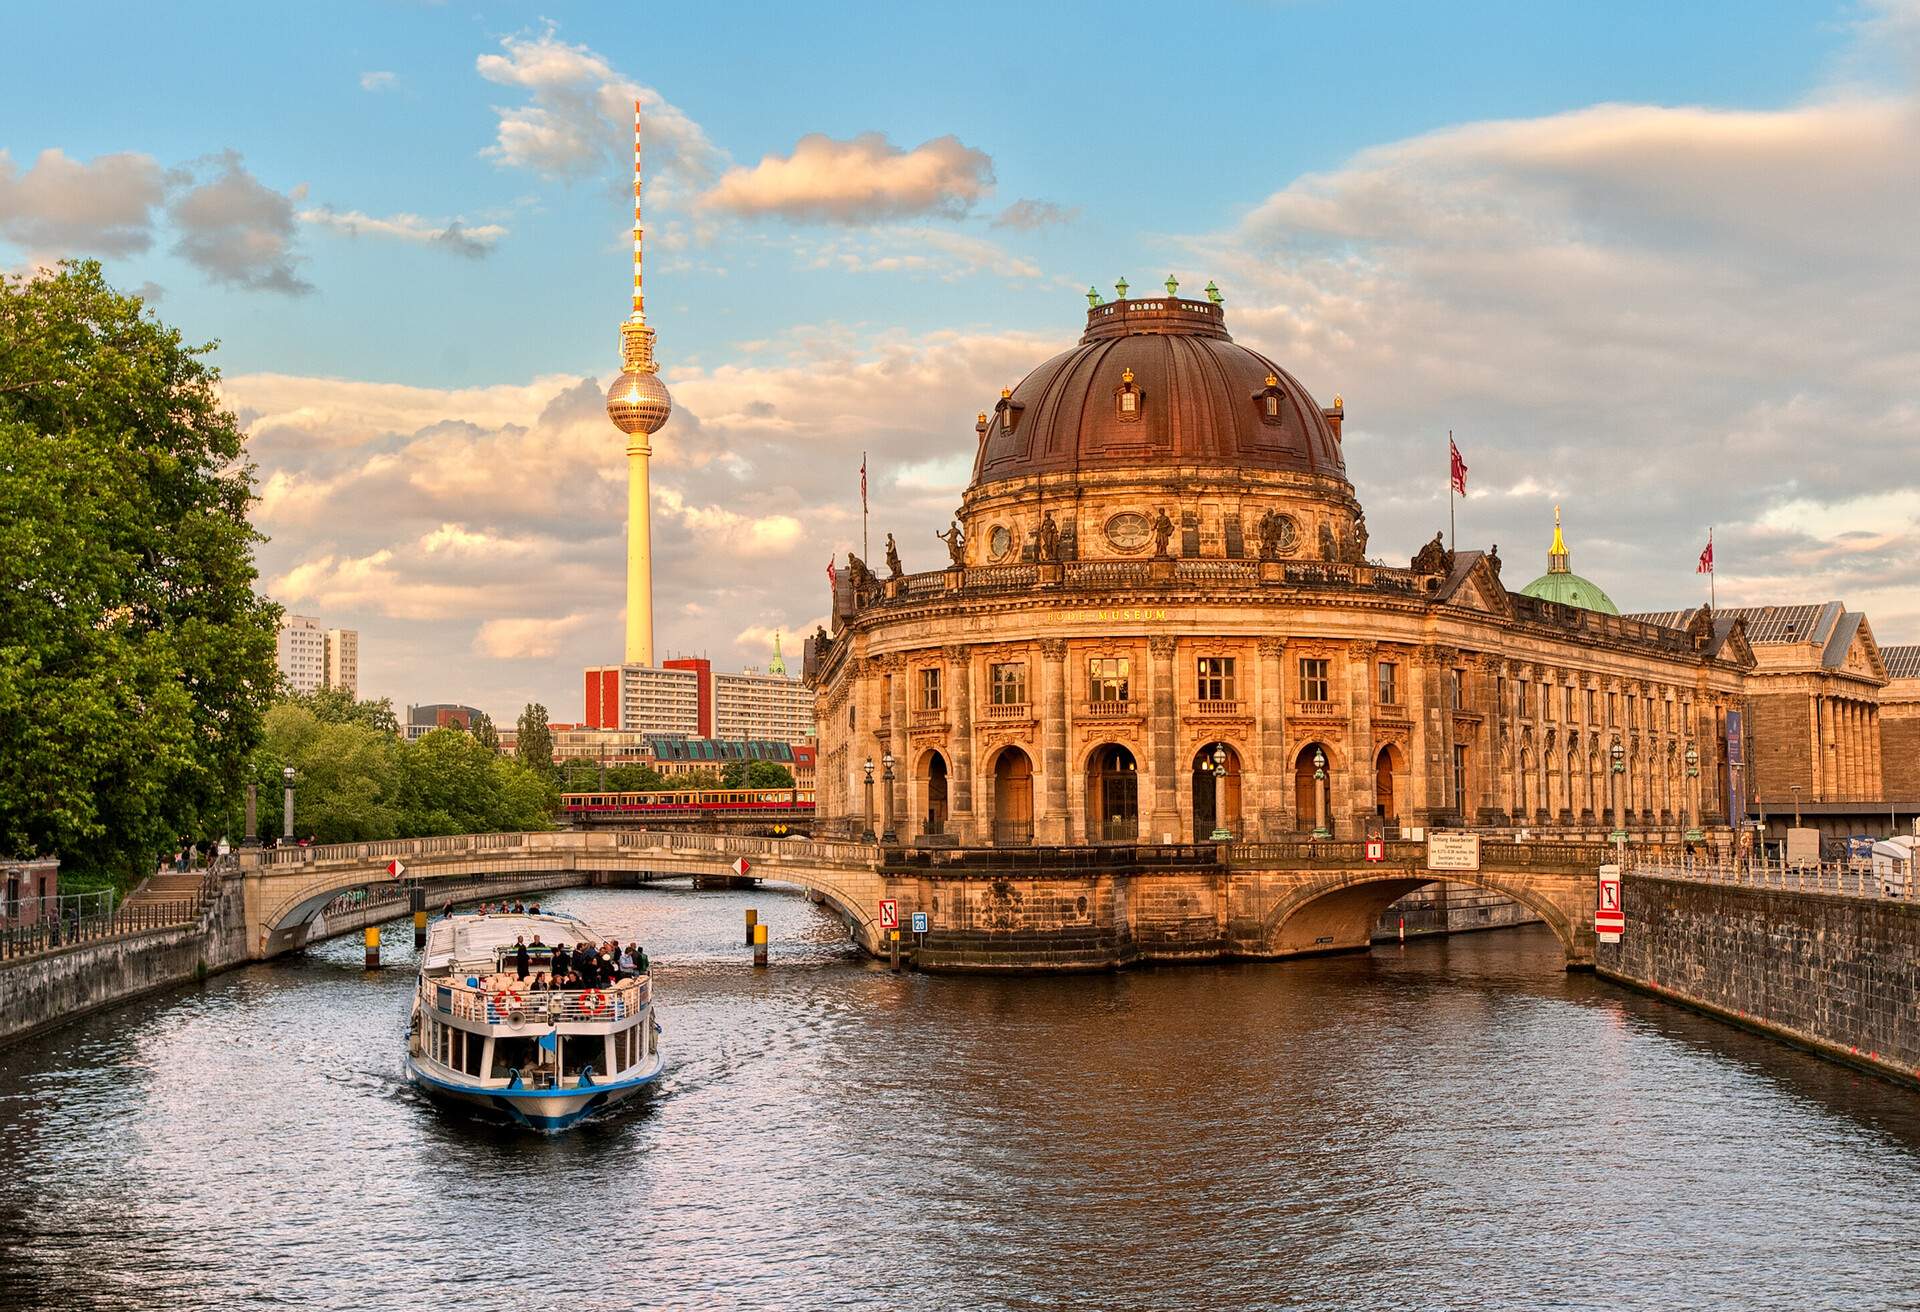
[1221, 834]
[1693, 834]
[866, 834]
[1795, 790]
[1320, 829]
[286, 805]
[1619, 757]
[887, 834]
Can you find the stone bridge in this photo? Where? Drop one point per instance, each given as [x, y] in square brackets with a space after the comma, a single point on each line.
[988, 908]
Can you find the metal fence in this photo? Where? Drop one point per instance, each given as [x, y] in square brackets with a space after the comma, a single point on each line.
[1876, 881]
[86, 918]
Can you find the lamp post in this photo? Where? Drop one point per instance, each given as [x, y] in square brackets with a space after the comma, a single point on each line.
[252, 836]
[1619, 757]
[1693, 834]
[1221, 834]
[1320, 829]
[886, 834]
[1795, 790]
[866, 816]
[286, 805]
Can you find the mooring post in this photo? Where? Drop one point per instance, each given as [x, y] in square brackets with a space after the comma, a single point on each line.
[373, 947]
[760, 946]
[753, 920]
[893, 950]
[417, 899]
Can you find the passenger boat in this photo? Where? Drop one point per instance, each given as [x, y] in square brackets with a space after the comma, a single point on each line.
[482, 1039]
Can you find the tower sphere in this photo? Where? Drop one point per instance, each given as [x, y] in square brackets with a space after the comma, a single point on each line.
[638, 402]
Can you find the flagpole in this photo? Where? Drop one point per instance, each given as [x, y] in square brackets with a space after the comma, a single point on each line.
[865, 550]
[1713, 581]
[1450, 491]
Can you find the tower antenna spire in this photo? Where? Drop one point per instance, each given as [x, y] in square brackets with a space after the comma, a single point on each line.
[639, 405]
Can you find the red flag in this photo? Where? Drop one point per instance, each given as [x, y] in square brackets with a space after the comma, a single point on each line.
[863, 482]
[832, 581]
[1706, 557]
[1459, 467]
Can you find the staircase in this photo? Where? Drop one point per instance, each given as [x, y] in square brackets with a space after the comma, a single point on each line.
[167, 887]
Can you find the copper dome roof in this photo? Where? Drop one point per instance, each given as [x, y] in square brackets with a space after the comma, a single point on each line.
[1199, 398]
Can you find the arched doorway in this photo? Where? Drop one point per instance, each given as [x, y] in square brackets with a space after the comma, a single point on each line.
[933, 782]
[1306, 789]
[1113, 795]
[1012, 798]
[1204, 820]
[1387, 767]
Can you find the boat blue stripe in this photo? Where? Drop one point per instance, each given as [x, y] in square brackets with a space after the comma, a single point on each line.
[490, 1091]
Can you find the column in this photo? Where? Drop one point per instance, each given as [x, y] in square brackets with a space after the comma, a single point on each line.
[1270, 731]
[1849, 753]
[1828, 751]
[1876, 766]
[960, 819]
[1050, 820]
[902, 768]
[1162, 748]
[1361, 802]
[1817, 765]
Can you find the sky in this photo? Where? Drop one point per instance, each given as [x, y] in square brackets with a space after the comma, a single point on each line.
[1653, 263]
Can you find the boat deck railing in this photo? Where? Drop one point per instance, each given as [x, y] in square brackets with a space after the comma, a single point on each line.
[501, 1006]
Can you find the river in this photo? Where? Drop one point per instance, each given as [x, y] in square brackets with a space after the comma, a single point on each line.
[1454, 1124]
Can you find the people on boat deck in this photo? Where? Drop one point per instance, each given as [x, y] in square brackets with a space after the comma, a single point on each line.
[562, 961]
[521, 959]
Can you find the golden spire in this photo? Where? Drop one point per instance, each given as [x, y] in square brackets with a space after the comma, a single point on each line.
[1557, 553]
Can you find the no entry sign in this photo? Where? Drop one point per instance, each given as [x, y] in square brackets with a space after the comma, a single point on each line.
[889, 913]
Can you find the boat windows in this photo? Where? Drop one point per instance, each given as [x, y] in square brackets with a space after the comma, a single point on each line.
[510, 1055]
[578, 1051]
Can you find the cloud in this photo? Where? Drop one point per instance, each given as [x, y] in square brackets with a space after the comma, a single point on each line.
[62, 206]
[1664, 317]
[936, 252]
[1028, 215]
[535, 639]
[237, 231]
[578, 114]
[857, 181]
[453, 236]
[378, 80]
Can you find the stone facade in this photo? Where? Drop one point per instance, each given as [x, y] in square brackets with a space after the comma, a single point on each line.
[1900, 724]
[1826, 971]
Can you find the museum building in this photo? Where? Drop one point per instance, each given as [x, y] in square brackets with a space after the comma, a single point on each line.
[1160, 623]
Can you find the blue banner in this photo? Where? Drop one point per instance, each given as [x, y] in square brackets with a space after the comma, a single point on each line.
[1736, 759]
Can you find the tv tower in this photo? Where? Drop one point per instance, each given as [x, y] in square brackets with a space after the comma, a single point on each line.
[639, 405]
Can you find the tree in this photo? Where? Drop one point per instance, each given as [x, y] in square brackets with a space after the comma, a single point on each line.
[534, 748]
[136, 660]
[756, 774]
[484, 733]
[337, 706]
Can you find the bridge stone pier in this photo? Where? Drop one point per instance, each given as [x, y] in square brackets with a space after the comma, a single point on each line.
[998, 909]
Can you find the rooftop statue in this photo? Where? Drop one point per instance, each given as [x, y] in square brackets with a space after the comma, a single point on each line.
[893, 559]
[1434, 558]
[956, 544]
[1046, 540]
[1162, 534]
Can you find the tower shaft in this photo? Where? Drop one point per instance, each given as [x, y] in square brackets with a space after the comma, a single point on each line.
[639, 553]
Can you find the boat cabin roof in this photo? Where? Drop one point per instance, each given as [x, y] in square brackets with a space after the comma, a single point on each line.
[468, 936]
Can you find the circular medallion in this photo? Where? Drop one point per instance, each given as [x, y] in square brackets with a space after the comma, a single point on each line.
[1288, 535]
[1128, 531]
[999, 542]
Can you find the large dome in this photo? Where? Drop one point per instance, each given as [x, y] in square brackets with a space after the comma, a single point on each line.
[1157, 382]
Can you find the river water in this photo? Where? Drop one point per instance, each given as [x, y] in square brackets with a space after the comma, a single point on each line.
[1447, 1125]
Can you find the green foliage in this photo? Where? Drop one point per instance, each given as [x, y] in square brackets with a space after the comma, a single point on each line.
[484, 733]
[356, 783]
[534, 747]
[756, 774]
[336, 706]
[136, 660]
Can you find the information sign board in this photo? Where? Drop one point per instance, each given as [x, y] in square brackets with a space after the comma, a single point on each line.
[919, 922]
[1609, 917]
[1452, 849]
[741, 867]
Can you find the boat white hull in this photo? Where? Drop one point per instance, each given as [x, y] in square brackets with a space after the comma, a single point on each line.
[548, 1110]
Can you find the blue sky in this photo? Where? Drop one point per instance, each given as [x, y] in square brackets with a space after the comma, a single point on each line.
[1592, 240]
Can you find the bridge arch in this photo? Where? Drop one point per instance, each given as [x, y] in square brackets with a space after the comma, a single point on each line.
[1336, 910]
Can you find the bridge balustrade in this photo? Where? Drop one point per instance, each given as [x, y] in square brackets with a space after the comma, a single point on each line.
[1836, 878]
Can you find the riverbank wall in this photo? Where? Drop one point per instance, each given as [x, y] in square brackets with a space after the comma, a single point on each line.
[42, 992]
[1831, 972]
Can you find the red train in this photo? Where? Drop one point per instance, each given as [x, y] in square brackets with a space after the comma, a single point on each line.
[713, 801]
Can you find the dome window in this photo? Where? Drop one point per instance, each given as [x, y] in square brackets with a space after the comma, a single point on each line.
[1007, 411]
[1269, 398]
[1128, 401]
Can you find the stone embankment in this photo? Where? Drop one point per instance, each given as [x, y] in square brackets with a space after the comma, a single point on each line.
[1825, 962]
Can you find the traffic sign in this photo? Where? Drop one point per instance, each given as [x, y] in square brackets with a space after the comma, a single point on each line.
[1609, 917]
[889, 913]
[395, 869]
[1376, 849]
[741, 867]
[919, 922]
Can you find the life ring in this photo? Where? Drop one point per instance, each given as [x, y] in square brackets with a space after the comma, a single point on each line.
[593, 1001]
[504, 1000]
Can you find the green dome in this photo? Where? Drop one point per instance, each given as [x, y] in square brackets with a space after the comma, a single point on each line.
[1561, 584]
[1570, 589]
